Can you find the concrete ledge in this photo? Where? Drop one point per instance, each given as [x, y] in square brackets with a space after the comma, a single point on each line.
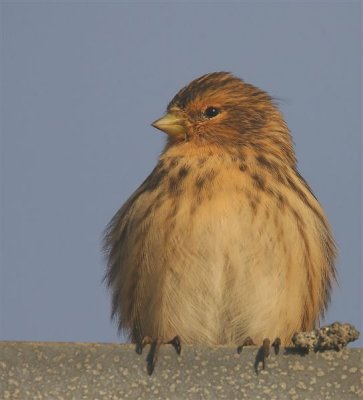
[112, 371]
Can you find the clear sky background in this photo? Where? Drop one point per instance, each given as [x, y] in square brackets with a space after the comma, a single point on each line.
[81, 83]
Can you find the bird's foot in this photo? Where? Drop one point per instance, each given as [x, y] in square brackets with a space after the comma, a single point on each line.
[264, 352]
[154, 349]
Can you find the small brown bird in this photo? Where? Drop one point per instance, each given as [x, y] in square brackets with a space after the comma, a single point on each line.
[224, 239]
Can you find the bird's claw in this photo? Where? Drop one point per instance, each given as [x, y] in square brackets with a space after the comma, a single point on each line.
[247, 342]
[154, 349]
[263, 351]
[175, 342]
[276, 344]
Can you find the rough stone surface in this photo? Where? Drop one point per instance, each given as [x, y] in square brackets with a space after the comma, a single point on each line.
[111, 371]
[330, 337]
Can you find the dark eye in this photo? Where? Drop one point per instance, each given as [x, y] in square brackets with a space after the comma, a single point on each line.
[211, 112]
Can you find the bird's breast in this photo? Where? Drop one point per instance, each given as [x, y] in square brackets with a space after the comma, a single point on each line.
[213, 251]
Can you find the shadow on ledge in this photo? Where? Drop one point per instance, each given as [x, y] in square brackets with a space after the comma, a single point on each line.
[31, 370]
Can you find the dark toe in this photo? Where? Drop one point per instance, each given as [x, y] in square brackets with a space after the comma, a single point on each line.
[176, 344]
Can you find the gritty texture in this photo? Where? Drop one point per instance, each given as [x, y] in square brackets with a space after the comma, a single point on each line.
[330, 337]
[112, 371]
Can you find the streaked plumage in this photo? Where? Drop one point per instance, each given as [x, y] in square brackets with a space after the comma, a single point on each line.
[224, 239]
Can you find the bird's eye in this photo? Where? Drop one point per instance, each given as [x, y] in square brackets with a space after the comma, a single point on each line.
[211, 112]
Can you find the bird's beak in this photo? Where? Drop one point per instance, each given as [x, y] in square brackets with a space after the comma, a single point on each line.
[172, 124]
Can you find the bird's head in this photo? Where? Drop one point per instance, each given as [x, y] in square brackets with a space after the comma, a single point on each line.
[218, 107]
[222, 109]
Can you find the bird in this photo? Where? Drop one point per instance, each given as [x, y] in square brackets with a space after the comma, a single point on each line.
[224, 241]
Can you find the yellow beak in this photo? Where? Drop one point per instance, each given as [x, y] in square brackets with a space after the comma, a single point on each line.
[172, 124]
